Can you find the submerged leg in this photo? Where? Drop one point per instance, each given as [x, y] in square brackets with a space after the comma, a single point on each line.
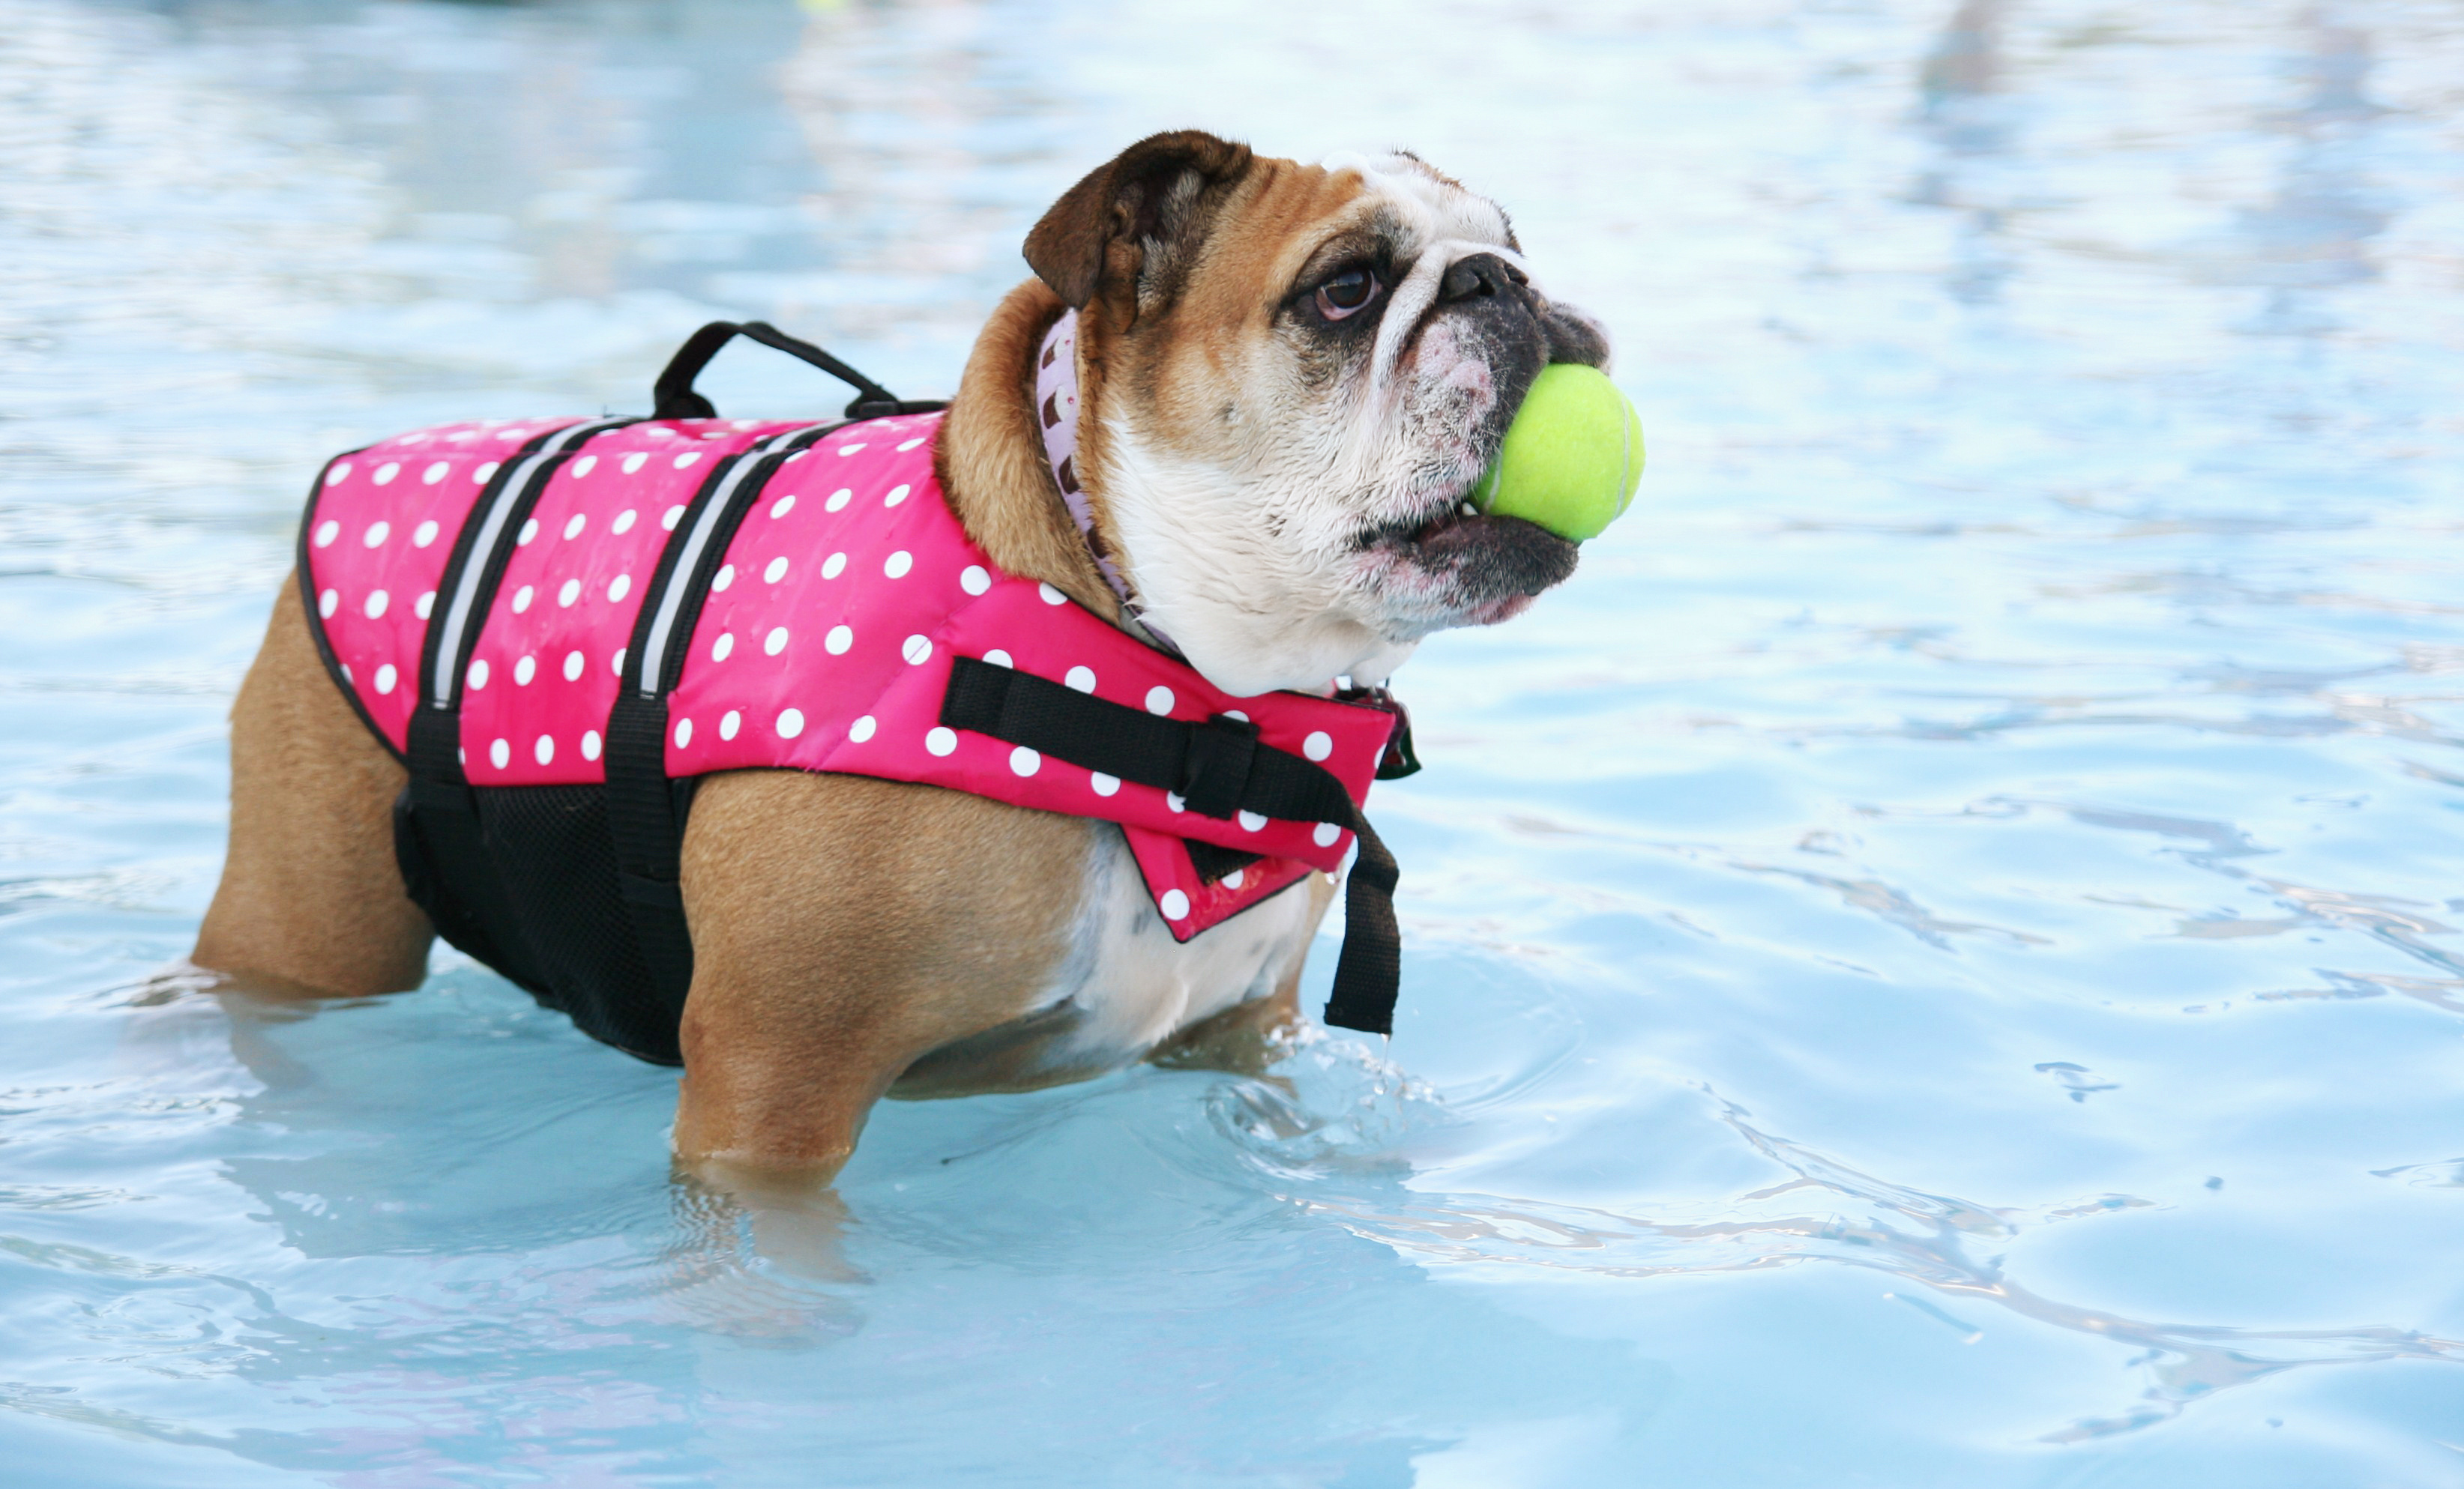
[310, 903]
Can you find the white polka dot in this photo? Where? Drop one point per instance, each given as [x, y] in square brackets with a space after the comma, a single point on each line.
[424, 535]
[1105, 785]
[997, 657]
[909, 444]
[1023, 762]
[719, 648]
[791, 723]
[500, 754]
[974, 580]
[624, 522]
[325, 603]
[426, 602]
[1318, 745]
[590, 744]
[376, 605]
[1175, 800]
[684, 732]
[530, 530]
[1159, 700]
[1236, 713]
[1236, 879]
[1324, 834]
[917, 649]
[435, 472]
[546, 750]
[897, 494]
[523, 598]
[838, 641]
[896, 565]
[619, 588]
[940, 741]
[775, 641]
[782, 506]
[386, 679]
[574, 525]
[632, 462]
[660, 432]
[668, 518]
[479, 476]
[524, 671]
[775, 570]
[385, 474]
[725, 577]
[616, 663]
[340, 472]
[511, 434]
[574, 662]
[687, 458]
[569, 592]
[377, 534]
[849, 449]
[862, 729]
[728, 723]
[834, 565]
[327, 532]
[478, 673]
[585, 465]
[1174, 905]
[839, 499]
[1051, 596]
[1082, 678]
[346, 672]
[1250, 821]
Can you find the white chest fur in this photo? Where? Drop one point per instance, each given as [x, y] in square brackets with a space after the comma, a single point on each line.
[1131, 985]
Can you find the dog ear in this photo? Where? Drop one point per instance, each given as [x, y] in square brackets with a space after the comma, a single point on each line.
[1122, 230]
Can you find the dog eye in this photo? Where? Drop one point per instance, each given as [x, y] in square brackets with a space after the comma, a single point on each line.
[1346, 293]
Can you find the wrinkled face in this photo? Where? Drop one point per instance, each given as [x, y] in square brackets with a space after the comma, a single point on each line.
[1287, 402]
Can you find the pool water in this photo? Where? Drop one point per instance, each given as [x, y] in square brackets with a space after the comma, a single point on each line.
[1935, 960]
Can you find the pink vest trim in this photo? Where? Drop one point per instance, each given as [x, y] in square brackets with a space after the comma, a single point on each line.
[825, 642]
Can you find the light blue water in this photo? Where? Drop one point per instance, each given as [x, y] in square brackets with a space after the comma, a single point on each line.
[1930, 962]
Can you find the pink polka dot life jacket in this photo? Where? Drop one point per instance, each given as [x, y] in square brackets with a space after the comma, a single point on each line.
[560, 625]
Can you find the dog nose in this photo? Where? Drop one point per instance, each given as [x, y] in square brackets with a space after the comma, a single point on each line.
[1477, 276]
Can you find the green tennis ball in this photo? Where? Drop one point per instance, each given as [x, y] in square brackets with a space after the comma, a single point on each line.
[1572, 457]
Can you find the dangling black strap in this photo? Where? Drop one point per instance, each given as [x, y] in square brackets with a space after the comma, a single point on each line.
[1216, 768]
[673, 396]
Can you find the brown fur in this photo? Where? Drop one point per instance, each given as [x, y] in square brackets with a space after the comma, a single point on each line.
[816, 982]
[310, 903]
[847, 931]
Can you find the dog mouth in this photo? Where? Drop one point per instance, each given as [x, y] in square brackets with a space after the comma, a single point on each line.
[1458, 566]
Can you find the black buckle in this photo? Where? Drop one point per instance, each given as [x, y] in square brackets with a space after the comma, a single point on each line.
[1400, 759]
[1214, 772]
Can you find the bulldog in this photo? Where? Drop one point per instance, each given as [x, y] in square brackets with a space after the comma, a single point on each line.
[1288, 377]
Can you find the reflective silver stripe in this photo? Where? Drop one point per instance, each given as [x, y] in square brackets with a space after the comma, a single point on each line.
[465, 588]
[654, 649]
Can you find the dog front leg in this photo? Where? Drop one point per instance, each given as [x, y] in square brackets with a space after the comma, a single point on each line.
[843, 927]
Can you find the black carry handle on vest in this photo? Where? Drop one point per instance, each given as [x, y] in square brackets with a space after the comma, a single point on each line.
[673, 396]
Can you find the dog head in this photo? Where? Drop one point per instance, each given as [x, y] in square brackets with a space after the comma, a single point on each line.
[1290, 376]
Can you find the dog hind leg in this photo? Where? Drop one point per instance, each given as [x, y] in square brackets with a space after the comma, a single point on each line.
[310, 903]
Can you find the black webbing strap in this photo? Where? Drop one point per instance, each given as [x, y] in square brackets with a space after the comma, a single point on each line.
[644, 818]
[436, 820]
[673, 396]
[1216, 768]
